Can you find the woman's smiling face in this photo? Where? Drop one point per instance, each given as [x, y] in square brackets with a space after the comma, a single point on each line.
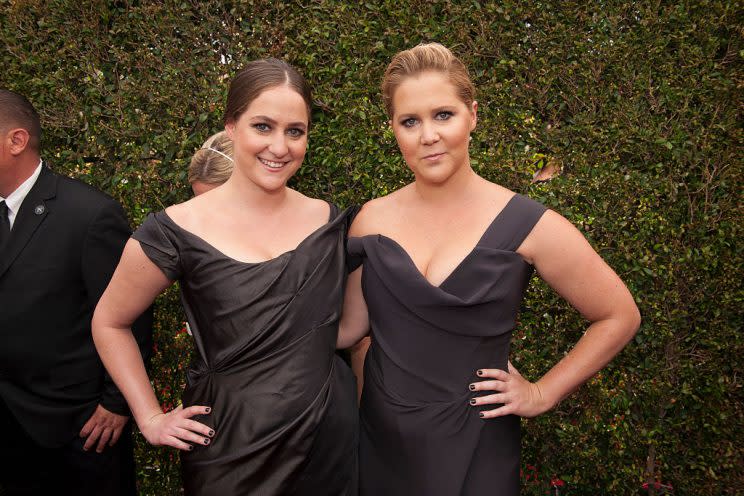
[432, 126]
[270, 137]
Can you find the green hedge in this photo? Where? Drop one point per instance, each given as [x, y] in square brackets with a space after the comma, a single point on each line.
[637, 103]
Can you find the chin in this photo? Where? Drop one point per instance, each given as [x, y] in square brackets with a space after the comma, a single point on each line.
[434, 174]
[273, 181]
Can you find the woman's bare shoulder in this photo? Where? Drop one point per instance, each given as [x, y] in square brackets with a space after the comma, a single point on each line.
[187, 214]
[378, 213]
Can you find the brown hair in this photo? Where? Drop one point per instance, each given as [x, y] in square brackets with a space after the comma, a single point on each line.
[258, 76]
[208, 165]
[17, 111]
[422, 58]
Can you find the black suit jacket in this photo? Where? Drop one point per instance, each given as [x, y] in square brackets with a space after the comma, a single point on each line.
[64, 246]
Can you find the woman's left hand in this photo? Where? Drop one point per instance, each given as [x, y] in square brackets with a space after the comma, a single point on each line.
[517, 395]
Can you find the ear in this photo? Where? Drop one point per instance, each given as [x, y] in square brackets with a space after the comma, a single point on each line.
[230, 128]
[18, 140]
[473, 115]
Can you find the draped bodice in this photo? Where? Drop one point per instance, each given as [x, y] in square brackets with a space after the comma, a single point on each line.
[265, 336]
[419, 433]
[466, 320]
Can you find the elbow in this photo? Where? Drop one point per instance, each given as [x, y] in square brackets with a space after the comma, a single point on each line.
[633, 320]
[95, 323]
[347, 336]
[343, 341]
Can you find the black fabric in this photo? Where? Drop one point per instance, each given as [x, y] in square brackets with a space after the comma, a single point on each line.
[283, 403]
[419, 435]
[65, 244]
[4, 223]
[28, 469]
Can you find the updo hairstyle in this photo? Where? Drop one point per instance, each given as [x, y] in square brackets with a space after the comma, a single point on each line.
[212, 164]
[423, 58]
[258, 76]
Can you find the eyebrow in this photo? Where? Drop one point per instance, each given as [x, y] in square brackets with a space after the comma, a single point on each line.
[272, 121]
[443, 108]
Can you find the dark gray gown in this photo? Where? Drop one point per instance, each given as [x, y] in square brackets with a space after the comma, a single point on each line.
[283, 403]
[419, 435]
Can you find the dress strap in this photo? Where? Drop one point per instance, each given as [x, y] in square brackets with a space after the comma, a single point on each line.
[513, 224]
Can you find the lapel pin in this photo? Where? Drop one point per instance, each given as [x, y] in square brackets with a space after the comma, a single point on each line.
[39, 209]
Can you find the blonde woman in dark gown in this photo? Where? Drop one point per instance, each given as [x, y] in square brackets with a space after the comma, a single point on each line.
[444, 264]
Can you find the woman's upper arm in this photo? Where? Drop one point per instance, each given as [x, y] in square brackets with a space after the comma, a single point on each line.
[568, 263]
[354, 323]
[136, 282]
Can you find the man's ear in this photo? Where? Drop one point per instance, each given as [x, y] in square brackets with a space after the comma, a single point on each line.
[18, 140]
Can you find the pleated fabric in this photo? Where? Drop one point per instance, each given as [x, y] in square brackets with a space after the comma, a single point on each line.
[283, 403]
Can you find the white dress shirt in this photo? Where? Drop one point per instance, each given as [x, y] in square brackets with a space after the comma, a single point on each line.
[15, 199]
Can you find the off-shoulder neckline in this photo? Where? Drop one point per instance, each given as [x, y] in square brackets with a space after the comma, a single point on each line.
[331, 217]
[457, 267]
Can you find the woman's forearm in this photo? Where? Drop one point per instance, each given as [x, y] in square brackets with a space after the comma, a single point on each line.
[121, 357]
[597, 347]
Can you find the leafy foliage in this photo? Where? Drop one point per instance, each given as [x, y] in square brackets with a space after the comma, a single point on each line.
[637, 104]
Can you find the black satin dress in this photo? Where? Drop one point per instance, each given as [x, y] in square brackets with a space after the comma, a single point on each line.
[419, 434]
[283, 403]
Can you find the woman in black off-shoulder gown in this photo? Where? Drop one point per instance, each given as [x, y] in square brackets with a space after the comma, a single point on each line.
[269, 408]
[265, 333]
[439, 271]
[416, 426]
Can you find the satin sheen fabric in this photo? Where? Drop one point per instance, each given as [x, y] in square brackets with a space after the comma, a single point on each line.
[283, 404]
[419, 434]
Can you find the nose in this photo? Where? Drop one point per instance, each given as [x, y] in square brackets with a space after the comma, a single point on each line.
[429, 134]
[278, 145]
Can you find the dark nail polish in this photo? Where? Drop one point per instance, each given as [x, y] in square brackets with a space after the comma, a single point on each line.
[480, 414]
[480, 372]
[472, 401]
[472, 387]
[208, 410]
[206, 441]
[191, 448]
[211, 433]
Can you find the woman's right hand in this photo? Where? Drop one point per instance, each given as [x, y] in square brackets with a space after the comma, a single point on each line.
[175, 428]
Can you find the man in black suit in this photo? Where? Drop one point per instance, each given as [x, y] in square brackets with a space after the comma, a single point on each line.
[65, 425]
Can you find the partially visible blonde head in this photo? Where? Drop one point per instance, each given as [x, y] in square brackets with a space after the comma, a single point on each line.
[424, 58]
[209, 167]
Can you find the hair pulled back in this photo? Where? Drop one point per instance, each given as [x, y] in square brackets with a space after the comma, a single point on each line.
[258, 76]
[422, 58]
[210, 164]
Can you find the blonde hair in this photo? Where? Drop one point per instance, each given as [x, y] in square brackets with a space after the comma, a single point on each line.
[422, 58]
[210, 164]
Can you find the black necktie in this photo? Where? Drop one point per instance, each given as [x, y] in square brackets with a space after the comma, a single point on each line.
[4, 223]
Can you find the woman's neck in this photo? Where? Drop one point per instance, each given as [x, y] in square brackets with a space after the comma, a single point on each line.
[241, 192]
[458, 187]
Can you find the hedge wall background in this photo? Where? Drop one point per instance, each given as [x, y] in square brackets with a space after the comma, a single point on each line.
[636, 105]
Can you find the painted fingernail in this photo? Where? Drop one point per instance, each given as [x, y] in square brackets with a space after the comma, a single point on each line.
[480, 372]
[206, 441]
[207, 409]
[211, 433]
[191, 448]
[480, 414]
[472, 387]
[472, 401]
